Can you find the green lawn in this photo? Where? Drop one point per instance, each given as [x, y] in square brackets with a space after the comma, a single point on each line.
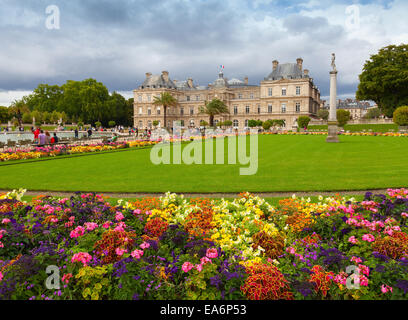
[360, 127]
[286, 163]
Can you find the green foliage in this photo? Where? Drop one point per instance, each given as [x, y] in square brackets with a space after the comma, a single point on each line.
[213, 108]
[385, 79]
[323, 114]
[112, 124]
[98, 124]
[303, 121]
[27, 118]
[373, 113]
[343, 116]
[155, 123]
[252, 123]
[401, 116]
[166, 100]
[4, 114]
[203, 123]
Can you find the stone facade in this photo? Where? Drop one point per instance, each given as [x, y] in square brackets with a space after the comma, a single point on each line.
[287, 93]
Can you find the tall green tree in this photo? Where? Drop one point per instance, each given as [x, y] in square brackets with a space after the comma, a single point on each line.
[166, 100]
[343, 116]
[4, 114]
[385, 79]
[213, 108]
[17, 109]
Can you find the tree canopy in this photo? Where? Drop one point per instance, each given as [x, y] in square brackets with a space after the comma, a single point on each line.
[87, 100]
[385, 79]
[213, 108]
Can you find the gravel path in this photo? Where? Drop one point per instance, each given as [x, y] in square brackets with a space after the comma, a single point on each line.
[209, 195]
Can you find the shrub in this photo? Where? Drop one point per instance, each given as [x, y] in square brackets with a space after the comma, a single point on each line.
[303, 121]
[98, 124]
[401, 116]
[252, 123]
[267, 124]
[343, 116]
[323, 114]
[112, 124]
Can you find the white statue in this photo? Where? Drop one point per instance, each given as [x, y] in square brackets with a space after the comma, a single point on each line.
[333, 63]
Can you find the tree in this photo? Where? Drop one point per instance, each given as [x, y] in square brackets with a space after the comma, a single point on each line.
[323, 114]
[155, 123]
[17, 109]
[98, 124]
[267, 125]
[385, 79]
[4, 115]
[112, 124]
[401, 116]
[252, 123]
[37, 115]
[213, 108]
[203, 123]
[373, 113]
[303, 121]
[166, 100]
[27, 118]
[46, 117]
[55, 116]
[227, 123]
[343, 116]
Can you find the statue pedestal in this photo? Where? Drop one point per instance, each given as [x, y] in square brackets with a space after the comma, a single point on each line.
[332, 132]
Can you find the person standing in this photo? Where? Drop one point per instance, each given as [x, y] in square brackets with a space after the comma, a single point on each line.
[42, 138]
[47, 137]
[76, 133]
[36, 134]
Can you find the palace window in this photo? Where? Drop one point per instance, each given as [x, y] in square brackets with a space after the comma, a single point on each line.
[269, 108]
[259, 109]
[140, 124]
[270, 92]
[297, 106]
[182, 111]
[251, 96]
[235, 123]
[298, 91]
[140, 98]
[246, 123]
[235, 109]
[149, 97]
[149, 124]
[140, 110]
[239, 95]
[197, 98]
[191, 111]
[283, 107]
[149, 111]
[247, 109]
[182, 123]
[283, 91]
[158, 110]
[188, 98]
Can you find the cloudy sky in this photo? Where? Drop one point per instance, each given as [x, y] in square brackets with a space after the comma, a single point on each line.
[118, 41]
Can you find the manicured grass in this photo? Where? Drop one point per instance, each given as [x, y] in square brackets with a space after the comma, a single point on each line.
[360, 127]
[286, 163]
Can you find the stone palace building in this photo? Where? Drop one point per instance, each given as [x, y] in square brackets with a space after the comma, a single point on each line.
[286, 93]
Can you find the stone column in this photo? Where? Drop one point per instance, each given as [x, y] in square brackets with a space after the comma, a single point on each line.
[332, 123]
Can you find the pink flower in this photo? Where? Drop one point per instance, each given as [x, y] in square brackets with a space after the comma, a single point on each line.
[145, 245]
[137, 254]
[120, 227]
[364, 269]
[205, 260]
[364, 281]
[187, 266]
[119, 216]
[405, 215]
[5, 221]
[106, 224]
[353, 240]
[120, 251]
[90, 226]
[212, 253]
[67, 210]
[356, 260]
[386, 288]
[83, 257]
[1, 276]
[77, 232]
[66, 277]
[368, 237]
[137, 211]
[199, 267]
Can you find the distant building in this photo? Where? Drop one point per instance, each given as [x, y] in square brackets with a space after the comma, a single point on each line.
[286, 93]
[357, 109]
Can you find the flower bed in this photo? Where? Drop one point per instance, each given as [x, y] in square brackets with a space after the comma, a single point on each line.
[53, 151]
[171, 248]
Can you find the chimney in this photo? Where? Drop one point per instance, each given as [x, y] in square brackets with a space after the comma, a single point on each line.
[306, 72]
[299, 62]
[148, 74]
[165, 75]
[246, 80]
[275, 64]
[190, 82]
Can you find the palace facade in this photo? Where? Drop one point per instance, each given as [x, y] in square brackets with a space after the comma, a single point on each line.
[286, 93]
